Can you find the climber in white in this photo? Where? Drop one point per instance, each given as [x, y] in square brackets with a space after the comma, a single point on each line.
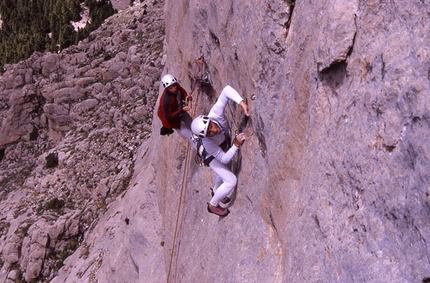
[213, 129]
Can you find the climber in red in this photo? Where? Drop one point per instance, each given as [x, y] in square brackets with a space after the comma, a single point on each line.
[173, 108]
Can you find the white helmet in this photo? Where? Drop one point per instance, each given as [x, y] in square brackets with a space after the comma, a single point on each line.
[200, 125]
[168, 80]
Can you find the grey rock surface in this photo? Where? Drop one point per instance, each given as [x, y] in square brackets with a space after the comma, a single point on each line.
[333, 180]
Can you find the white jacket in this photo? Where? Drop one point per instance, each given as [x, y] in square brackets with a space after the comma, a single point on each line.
[216, 113]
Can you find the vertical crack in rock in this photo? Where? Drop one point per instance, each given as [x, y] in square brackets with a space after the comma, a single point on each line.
[291, 4]
[214, 38]
[261, 139]
[244, 124]
[383, 71]
[272, 222]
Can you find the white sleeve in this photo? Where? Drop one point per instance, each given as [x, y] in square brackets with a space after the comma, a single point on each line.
[227, 93]
[226, 157]
[211, 144]
[212, 148]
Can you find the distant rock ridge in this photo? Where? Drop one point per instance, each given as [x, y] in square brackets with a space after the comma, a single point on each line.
[122, 4]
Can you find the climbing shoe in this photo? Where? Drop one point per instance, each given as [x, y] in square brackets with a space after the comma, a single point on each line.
[225, 200]
[218, 210]
[166, 131]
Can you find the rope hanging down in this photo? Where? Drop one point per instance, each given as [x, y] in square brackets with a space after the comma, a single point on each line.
[179, 222]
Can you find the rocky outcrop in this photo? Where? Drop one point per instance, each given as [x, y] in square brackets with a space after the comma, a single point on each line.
[71, 124]
[332, 180]
[121, 4]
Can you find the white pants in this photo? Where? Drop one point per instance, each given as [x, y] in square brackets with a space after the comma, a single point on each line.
[225, 182]
[185, 129]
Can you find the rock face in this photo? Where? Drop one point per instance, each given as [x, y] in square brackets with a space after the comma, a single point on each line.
[121, 4]
[333, 182]
[71, 124]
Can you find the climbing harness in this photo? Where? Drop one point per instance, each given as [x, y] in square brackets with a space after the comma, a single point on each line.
[202, 156]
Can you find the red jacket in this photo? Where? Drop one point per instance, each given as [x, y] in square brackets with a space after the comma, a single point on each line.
[169, 110]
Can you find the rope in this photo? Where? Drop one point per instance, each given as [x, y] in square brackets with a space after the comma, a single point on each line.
[207, 175]
[179, 224]
[178, 233]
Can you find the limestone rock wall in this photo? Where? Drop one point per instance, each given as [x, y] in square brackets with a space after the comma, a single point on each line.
[363, 197]
[333, 180]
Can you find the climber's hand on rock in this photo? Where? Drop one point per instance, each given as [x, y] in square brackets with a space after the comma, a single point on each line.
[240, 138]
[245, 107]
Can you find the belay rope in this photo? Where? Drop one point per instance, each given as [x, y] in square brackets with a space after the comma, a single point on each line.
[179, 224]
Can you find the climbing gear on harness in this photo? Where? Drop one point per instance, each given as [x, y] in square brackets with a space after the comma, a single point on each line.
[202, 156]
[168, 80]
[225, 200]
[218, 210]
[206, 79]
[200, 125]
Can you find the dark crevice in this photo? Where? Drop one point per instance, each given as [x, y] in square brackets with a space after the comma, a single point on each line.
[389, 148]
[383, 67]
[243, 124]
[287, 24]
[272, 222]
[351, 48]
[261, 139]
[317, 221]
[334, 75]
[215, 38]
[416, 119]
